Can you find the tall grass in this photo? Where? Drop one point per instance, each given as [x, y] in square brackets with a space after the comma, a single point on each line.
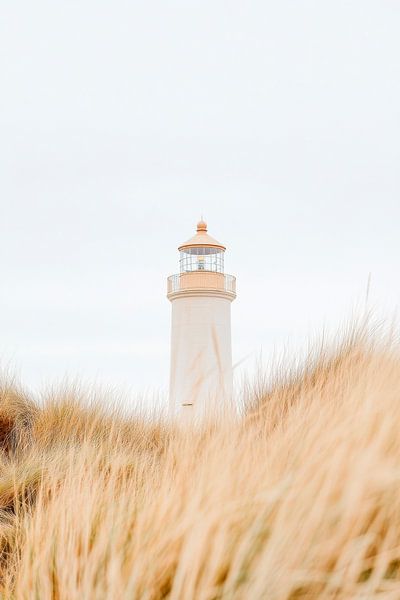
[298, 498]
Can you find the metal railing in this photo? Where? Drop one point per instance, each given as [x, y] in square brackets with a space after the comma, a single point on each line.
[201, 280]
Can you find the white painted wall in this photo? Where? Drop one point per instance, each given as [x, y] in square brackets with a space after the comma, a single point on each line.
[201, 355]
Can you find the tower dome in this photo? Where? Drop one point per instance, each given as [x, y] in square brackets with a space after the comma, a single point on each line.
[202, 239]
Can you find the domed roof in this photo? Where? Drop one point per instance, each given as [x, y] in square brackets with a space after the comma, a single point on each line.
[202, 239]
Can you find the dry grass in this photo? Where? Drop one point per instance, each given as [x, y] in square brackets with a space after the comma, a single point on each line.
[299, 498]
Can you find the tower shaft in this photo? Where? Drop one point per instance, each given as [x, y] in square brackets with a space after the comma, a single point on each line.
[201, 354]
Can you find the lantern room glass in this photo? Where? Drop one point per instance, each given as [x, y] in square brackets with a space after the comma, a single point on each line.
[202, 259]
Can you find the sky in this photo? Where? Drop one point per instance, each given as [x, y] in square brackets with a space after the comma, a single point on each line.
[122, 122]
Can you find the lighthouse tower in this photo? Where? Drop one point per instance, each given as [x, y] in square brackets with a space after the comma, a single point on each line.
[201, 349]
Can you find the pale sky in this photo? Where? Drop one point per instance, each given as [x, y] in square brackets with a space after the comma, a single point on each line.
[122, 122]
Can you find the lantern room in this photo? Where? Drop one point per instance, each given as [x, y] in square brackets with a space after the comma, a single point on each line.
[202, 253]
[202, 268]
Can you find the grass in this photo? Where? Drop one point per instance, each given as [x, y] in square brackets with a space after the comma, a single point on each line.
[297, 498]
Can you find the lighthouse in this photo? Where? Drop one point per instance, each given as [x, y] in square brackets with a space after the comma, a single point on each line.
[201, 347]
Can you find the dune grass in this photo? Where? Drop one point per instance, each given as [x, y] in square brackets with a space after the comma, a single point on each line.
[297, 498]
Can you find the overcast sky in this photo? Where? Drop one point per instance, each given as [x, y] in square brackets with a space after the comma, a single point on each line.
[121, 122]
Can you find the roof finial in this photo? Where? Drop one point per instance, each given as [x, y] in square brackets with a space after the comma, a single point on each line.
[201, 225]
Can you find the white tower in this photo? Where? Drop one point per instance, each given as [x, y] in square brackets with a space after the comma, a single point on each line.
[201, 347]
